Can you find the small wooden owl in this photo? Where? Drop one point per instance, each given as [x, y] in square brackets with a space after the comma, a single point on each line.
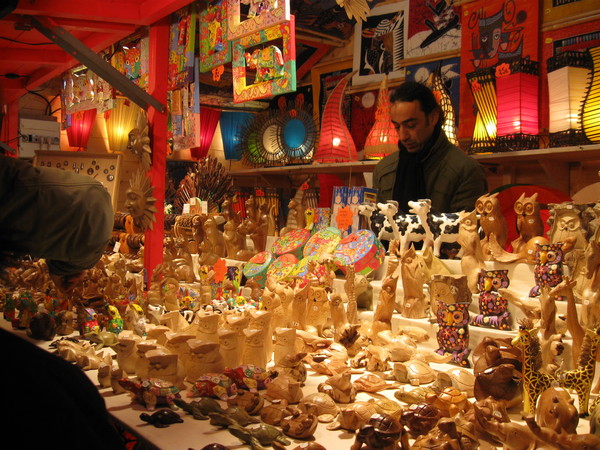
[529, 221]
[453, 331]
[491, 220]
[493, 307]
[548, 270]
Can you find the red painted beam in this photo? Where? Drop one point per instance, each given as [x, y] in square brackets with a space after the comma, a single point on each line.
[157, 87]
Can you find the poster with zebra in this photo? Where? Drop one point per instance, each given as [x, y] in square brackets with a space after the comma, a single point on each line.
[379, 44]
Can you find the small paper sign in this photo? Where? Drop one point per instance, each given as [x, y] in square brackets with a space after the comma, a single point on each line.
[344, 218]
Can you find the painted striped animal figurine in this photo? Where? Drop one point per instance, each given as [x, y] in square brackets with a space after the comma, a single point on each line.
[534, 381]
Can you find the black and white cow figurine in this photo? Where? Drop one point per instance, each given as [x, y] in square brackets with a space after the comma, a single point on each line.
[439, 227]
[407, 227]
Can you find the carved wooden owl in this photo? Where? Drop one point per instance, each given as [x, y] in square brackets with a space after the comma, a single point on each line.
[491, 218]
[529, 220]
[548, 269]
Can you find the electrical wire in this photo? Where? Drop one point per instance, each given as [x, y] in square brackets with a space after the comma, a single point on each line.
[25, 43]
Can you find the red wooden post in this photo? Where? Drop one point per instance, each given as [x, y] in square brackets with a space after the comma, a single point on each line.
[159, 58]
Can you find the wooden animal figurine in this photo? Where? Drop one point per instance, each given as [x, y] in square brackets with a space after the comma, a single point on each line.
[339, 387]
[229, 347]
[127, 352]
[299, 307]
[491, 220]
[382, 317]
[570, 220]
[142, 365]
[472, 260]
[261, 320]
[299, 425]
[339, 319]
[381, 431]
[565, 290]
[555, 409]
[448, 289]
[165, 366]
[562, 441]
[292, 365]
[207, 325]
[177, 343]
[204, 357]
[284, 388]
[318, 314]
[580, 379]
[529, 221]
[501, 382]
[453, 331]
[534, 381]
[590, 312]
[413, 304]
[271, 301]
[493, 307]
[512, 435]
[439, 228]
[548, 270]
[285, 343]
[254, 351]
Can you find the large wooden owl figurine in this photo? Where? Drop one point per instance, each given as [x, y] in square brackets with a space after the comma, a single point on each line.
[491, 220]
[529, 221]
[548, 270]
[493, 307]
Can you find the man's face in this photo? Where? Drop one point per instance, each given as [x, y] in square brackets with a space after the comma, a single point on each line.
[413, 125]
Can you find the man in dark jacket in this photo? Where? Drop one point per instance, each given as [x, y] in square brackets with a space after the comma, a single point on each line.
[427, 165]
[61, 216]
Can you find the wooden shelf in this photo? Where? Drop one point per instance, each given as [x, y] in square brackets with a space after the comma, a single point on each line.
[560, 154]
[300, 169]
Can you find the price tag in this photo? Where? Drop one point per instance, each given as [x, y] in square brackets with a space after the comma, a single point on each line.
[344, 218]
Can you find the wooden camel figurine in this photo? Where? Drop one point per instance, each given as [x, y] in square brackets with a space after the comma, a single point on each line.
[534, 381]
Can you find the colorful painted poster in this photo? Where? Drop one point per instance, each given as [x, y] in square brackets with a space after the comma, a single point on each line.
[131, 59]
[215, 48]
[184, 115]
[182, 40]
[494, 31]
[434, 27]
[260, 16]
[379, 44]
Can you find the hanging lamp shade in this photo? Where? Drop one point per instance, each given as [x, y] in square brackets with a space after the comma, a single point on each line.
[232, 123]
[517, 85]
[590, 118]
[119, 122]
[209, 118]
[79, 131]
[335, 143]
[483, 88]
[568, 73]
[442, 95]
[383, 137]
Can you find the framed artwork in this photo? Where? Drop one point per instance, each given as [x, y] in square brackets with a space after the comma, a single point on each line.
[564, 10]
[182, 32]
[379, 44]
[494, 31]
[324, 79]
[433, 27]
[215, 47]
[259, 16]
[131, 59]
[271, 55]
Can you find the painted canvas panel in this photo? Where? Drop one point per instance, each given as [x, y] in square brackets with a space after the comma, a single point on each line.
[379, 44]
[494, 31]
[215, 47]
[131, 59]
[182, 32]
[271, 54]
[184, 115]
[434, 27]
[82, 89]
[255, 15]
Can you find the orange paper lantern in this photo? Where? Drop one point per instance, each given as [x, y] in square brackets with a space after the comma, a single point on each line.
[383, 137]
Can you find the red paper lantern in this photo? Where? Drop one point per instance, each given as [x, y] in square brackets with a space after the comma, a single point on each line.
[336, 143]
[209, 118]
[78, 133]
[517, 89]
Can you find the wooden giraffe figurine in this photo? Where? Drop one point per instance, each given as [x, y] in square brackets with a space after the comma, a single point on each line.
[580, 379]
[534, 381]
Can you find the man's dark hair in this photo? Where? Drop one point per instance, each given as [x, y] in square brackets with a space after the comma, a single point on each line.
[411, 91]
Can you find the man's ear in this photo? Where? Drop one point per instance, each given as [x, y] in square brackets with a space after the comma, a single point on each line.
[434, 115]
